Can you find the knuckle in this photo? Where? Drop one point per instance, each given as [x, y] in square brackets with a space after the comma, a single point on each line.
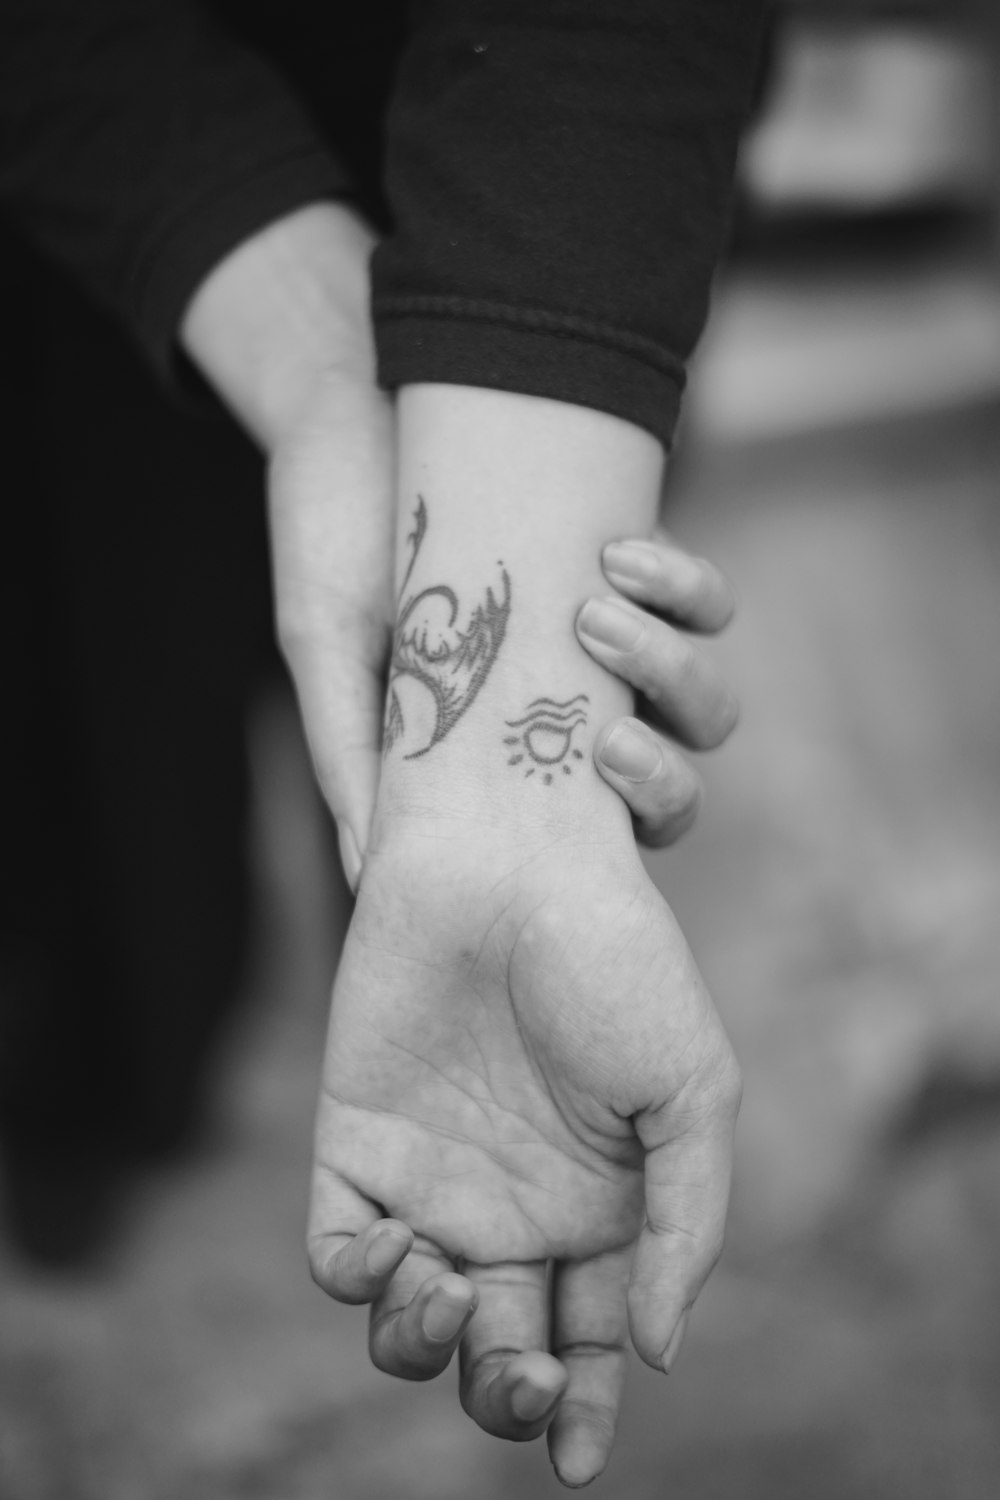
[385, 1349]
[336, 1273]
[599, 1417]
[474, 1398]
[679, 787]
[399, 1352]
[669, 674]
[676, 813]
[680, 822]
[715, 1086]
[478, 1393]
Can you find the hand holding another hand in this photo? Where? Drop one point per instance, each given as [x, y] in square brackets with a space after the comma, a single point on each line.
[523, 1066]
[524, 1135]
[282, 329]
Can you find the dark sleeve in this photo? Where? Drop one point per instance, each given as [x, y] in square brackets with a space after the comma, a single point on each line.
[138, 145]
[559, 175]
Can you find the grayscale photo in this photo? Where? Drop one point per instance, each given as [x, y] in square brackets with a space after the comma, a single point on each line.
[500, 749]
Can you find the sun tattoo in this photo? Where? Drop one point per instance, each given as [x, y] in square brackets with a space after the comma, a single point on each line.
[429, 648]
[545, 736]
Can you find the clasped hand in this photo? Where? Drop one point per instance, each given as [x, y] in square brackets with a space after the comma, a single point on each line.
[523, 1067]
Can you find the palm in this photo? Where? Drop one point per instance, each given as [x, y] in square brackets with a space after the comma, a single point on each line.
[486, 1058]
[523, 1067]
[489, 1053]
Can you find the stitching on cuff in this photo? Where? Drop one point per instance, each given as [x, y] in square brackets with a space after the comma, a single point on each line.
[534, 320]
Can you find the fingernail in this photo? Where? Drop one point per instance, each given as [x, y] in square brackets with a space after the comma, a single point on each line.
[350, 856]
[529, 1403]
[611, 624]
[443, 1317]
[631, 752]
[385, 1253]
[674, 1343]
[631, 560]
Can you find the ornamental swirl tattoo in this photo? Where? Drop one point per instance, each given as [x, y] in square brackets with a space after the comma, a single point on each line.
[428, 646]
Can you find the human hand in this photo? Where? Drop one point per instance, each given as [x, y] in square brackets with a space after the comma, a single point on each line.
[282, 329]
[643, 639]
[336, 632]
[331, 525]
[523, 1066]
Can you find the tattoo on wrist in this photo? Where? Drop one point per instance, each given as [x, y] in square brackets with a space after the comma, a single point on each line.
[543, 741]
[431, 649]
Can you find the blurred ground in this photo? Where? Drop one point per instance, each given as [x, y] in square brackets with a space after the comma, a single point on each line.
[843, 895]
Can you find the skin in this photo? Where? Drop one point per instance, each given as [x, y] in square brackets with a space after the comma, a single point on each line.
[523, 1066]
[282, 329]
[524, 1074]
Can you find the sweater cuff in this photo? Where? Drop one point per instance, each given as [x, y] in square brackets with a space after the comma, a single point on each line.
[176, 261]
[531, 353]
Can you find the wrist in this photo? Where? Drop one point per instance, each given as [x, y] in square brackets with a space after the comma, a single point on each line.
[456, 842]
[283, 316]
[493, 705]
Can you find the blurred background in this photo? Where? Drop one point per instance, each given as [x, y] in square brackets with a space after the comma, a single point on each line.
[840, 456]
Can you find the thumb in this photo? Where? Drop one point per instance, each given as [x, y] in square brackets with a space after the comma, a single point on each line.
[338, 671]
[330, 494]
[689, 1146]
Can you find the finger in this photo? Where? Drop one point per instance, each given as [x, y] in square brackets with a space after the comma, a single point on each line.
[509, 1385]
[352, 1251]
[590, 1327]
[667, 579]
[688, 1168]
[662, 789]
[683, 687]
[417, 1321]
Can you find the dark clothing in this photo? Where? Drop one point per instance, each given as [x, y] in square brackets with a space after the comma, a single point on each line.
[135, 619]
[555, 182]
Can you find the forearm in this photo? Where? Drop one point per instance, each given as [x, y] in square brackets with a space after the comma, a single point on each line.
[284, 314]
[519, 494]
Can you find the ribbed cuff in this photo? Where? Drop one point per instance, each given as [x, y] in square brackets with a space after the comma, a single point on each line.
[560, 361]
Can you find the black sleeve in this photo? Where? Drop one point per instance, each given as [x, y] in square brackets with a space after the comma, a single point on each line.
[559, 175]
[138, 145]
